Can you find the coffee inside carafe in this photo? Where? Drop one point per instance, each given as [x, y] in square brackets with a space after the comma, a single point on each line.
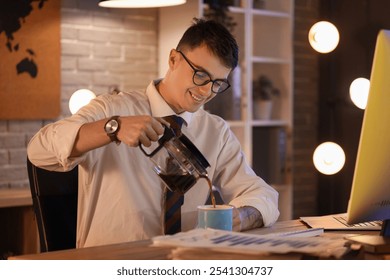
[179, 183]
[177, 161]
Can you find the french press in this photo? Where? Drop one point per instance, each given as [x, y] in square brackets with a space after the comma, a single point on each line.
[177, 161]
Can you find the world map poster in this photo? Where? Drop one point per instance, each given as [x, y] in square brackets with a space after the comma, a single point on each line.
[30, 59]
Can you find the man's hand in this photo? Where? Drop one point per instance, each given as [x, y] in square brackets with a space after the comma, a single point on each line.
[143, 130]
[245, 218]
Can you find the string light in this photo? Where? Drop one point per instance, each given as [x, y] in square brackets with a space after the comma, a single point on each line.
[329, 158]
[79, 99]
[324, 37]
[358, 91]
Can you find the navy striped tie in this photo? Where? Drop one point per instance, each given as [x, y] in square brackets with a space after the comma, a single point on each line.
[176, 122]
[173, 203]
[173, 200]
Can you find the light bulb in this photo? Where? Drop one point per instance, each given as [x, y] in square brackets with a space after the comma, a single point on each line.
[324, 37]
[79, 99]
[358, 91]
[329, 158]
[139, 3]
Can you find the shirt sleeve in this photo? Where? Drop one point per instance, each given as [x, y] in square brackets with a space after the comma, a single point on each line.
[239, 184]
[51, 147]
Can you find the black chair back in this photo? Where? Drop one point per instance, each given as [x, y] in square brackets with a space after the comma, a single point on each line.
[54, 196]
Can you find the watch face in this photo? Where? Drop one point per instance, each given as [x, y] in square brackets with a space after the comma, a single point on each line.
[111, 126]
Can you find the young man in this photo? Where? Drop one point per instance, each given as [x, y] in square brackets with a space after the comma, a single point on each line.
[120, 196]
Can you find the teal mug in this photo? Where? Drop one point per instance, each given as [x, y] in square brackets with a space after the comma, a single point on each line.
[220, 217]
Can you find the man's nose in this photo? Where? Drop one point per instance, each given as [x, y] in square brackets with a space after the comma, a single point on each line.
[206, 89]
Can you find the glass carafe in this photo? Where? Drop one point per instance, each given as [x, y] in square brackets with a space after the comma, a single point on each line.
[177, 161]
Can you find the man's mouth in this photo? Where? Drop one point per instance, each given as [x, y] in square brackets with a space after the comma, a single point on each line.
[196, 98]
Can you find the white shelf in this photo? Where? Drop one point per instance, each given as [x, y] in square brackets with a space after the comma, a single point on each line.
[267, 59]
[265, 39]
[267, 13]
[237, 10]
[236, 123]
[269, 123]
[259, 123]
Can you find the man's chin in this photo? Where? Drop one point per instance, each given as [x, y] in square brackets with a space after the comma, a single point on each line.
[194, 108]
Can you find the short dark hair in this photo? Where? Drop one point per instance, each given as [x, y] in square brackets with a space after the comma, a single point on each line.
[215, 36]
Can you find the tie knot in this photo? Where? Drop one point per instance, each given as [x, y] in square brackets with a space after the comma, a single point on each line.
[176, 122]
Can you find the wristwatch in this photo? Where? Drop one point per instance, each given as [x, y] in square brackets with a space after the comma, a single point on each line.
[112, 127]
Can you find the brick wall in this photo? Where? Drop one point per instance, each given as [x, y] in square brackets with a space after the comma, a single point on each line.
[305, 110]
[100, 49]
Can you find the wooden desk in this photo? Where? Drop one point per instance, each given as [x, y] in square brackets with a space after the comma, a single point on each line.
[19, 233]
[141, 250]
[15, 197]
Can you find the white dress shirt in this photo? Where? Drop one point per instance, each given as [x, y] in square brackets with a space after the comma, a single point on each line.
[120, 196]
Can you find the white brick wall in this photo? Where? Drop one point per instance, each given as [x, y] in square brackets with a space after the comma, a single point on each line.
[100, 48]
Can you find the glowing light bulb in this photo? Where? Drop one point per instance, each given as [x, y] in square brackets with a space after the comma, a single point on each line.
[329, 158]
[139, 3]
[358, 91]
[324, 37]
[79, 99]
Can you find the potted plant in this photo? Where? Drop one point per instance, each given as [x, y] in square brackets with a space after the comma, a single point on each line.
[263, 94]
[218, 11]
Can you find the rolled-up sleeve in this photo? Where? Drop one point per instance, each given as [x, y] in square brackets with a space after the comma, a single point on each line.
[51, 147]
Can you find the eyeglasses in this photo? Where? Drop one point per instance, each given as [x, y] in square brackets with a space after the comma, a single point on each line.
[201, 78]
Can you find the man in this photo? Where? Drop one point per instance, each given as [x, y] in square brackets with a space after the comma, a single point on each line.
[120, 196]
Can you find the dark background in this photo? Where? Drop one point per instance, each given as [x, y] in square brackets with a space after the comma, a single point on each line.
[358, 22]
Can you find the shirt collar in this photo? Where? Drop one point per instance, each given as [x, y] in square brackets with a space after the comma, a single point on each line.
[160, 107]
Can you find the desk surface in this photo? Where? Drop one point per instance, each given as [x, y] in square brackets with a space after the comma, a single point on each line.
[137, 250]
[142, 250]
[15, 197]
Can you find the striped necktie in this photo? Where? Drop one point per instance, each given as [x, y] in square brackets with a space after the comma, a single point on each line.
[173, 200]
[176, 122]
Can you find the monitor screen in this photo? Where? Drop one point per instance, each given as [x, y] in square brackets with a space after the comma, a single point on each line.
[370, 193]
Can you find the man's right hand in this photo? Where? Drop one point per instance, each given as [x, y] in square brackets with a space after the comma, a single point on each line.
[136, 130]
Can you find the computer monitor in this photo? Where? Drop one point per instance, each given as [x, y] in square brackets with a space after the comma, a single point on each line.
[370, 194]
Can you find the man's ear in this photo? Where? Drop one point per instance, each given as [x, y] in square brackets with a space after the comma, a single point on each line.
[172, 59]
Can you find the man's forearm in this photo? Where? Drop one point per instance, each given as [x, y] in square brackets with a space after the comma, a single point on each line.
[90, 136]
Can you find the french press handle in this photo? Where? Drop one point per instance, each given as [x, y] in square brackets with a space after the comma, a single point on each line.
[168, 135]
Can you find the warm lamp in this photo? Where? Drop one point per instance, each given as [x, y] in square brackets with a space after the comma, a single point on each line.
[358, 91]
[329, 158]
[79, 99]
[139, 3]
[324, 37]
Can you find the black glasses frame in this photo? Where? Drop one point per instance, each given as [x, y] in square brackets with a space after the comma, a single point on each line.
[215, 83]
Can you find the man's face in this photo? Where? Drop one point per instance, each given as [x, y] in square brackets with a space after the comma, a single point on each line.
[183, 93]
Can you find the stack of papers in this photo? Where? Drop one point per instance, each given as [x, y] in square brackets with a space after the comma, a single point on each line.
[249, 245]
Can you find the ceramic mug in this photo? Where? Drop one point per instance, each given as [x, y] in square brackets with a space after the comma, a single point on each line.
[220, 217]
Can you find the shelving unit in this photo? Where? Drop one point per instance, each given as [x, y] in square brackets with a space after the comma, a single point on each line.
[265, 39]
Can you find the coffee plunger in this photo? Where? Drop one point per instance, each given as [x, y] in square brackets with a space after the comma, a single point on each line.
[177, 161]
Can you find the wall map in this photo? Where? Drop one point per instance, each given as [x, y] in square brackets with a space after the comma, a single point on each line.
[29, 59]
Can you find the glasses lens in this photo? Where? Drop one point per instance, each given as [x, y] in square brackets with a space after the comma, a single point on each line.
[219, 86]
[201, 78]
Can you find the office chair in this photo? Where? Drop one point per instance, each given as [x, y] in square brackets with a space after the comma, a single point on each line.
[54, 196]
